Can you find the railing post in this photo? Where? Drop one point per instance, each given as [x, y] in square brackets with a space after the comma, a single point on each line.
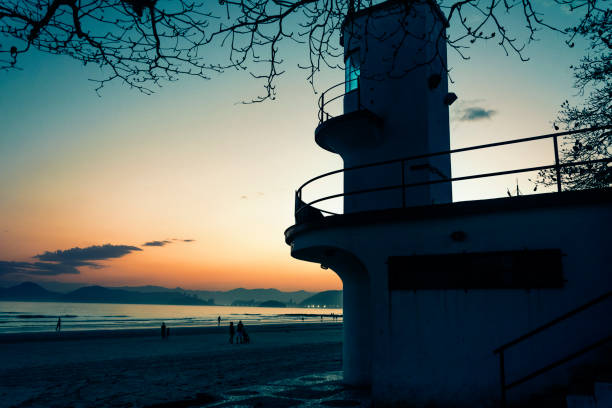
[358, 93]
[502, 378]
[557, 168]
[403, 184]
[322, 110]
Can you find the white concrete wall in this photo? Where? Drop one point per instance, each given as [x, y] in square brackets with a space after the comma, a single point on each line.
[437, 345]
[357, 310]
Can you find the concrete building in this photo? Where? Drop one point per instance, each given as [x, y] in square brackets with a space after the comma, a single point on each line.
[432, 289]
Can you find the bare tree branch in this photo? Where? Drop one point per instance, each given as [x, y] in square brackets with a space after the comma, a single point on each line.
[143, 43]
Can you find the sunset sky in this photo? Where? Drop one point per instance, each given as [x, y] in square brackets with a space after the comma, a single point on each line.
[210, 179]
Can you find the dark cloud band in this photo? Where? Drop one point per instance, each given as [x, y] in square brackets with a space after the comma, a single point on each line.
[36, 268]
[156, 243]
[67, 261]
[92, 253]
[475, 113]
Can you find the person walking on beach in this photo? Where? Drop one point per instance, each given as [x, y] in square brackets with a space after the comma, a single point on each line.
[58, 326]
[163, 330]
[231, 339]
[240, 337]
[219, 321]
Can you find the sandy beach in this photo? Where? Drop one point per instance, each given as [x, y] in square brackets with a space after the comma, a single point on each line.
[193, 367]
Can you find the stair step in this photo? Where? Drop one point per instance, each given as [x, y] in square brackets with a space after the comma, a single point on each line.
[580, 401]
[603, 394]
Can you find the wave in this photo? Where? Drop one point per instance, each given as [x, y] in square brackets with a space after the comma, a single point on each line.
[309, 314]
[37, 316]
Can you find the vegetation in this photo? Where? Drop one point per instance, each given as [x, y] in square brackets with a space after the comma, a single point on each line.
[143, 43]
[593, 78]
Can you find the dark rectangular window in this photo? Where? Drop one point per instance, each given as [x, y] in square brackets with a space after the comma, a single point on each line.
[527, 269]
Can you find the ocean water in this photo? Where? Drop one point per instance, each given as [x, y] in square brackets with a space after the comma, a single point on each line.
[20, 317]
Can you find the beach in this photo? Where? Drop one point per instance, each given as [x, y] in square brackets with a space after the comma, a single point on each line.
[193, 367]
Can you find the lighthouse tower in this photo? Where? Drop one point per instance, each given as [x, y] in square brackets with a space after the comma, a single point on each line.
[462, 304]
[395, 105]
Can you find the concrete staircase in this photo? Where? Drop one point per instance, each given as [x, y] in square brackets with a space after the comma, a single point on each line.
[601, 397]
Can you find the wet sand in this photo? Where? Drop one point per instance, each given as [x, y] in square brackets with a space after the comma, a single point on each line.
[137, 368]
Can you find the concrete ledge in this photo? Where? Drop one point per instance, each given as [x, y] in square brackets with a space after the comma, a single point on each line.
[564, 199]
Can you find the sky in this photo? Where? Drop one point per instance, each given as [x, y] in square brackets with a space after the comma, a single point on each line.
[188, 187]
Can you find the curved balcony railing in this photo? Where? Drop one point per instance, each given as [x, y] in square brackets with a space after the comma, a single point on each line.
[333, 98]
[308, 210]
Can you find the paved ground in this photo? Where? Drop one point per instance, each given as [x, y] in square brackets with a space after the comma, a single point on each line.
[318, 390]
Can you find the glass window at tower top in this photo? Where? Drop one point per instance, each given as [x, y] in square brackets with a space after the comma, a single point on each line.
[351, 72]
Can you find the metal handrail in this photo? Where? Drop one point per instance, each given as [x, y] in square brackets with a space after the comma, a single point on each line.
[553, 322]
[501, 349]
[557, 166]
[323, 114]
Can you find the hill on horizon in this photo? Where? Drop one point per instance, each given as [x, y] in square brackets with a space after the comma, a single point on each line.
[97, 294]
[27, 290]
[150, 294]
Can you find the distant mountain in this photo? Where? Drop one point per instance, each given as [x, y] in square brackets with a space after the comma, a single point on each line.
[252, 297]
[150, 294]
[99, 294]
[329, 298]
[27, 291]
[146, 288]
[62, 287]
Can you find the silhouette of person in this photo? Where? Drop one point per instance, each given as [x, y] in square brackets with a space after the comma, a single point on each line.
[58, 326]
[163, 330]
[239, 331]
[245, 336]
[231, 329]
[219, 321]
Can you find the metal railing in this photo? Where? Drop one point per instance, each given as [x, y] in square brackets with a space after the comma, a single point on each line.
[505, 386]
[329, 96]
[557, 166]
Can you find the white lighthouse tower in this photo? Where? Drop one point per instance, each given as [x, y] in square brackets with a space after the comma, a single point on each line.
[477, 303]
[395, 105]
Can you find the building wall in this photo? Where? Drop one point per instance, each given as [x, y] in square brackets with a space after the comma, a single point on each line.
[437, 345]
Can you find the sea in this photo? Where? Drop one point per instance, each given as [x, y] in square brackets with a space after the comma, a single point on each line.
[23, 317]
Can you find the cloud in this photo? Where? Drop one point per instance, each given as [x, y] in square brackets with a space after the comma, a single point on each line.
[36, 268]
[157, 243]
[475, 113]
[92, 253]
[188, 240]
[67, 261]
[258, 194]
